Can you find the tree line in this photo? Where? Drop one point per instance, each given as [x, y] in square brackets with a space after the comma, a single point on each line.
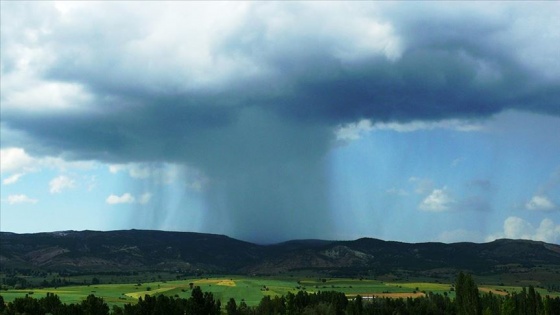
[468, 301]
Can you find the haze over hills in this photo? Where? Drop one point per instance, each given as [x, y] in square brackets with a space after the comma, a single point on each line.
[197, 253]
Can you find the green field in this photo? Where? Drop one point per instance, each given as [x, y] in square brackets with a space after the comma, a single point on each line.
[249, 289]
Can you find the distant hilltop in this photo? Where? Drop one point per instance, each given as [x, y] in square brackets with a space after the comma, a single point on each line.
[198, 253]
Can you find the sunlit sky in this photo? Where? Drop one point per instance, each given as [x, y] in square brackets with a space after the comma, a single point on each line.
[270, 121]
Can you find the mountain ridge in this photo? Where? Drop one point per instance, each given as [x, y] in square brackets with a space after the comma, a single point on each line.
[194, 253]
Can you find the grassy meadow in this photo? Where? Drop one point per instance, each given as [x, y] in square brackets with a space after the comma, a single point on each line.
[249, 289]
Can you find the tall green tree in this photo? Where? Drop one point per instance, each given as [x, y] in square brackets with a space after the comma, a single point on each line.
[51, 303]
[356, 307]
[467, 298]
[93, 305]
[2, 305]
[231, 307]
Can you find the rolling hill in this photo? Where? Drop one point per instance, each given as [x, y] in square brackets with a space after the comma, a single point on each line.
[197, 253]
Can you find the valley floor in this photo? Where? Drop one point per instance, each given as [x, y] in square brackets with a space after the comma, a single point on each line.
[252, 289]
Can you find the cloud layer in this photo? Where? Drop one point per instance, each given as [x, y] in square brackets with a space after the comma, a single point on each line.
[517, 228]
[253, 97]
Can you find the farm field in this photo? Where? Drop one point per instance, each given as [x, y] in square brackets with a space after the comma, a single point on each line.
[250, 289]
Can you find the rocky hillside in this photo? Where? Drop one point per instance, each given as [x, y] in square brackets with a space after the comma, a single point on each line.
[91, 251]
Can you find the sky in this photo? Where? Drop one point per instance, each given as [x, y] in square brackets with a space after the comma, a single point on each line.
[271, 121]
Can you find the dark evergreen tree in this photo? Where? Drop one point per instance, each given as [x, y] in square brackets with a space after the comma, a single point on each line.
[231, 307]
[290, 304]
[356, 307]
[26, 305]
[467, 298]
[93, 305]
[2, 305]
[490, 304]
[551, 306]
[117, 310]
[196, 302]
[51, 303]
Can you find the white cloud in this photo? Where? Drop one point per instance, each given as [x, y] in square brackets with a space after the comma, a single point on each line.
[14, 160]
[12, 179]
[517, 228]
[449, 124]
[129, 198]
[356, 130]
[145, 198]
[125, 198]
[16, 199]
[438, 201]
[60, 183]
[115, 168]
[46, 96]
[548, 231]
[540, 202]
[353, 131]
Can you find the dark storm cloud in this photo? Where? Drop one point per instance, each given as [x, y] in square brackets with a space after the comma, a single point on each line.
[425, 84]
[255, 109]
[144, 132]
[448, 68]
